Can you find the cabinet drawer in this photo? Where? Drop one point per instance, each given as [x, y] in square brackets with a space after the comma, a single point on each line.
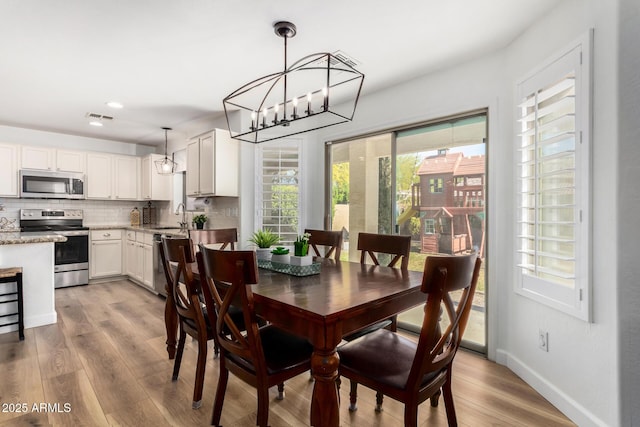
[106, 235]
[131, 235]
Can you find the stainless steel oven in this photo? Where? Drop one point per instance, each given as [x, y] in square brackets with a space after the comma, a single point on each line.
[71, 258]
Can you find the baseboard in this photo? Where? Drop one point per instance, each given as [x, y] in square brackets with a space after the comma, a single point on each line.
[565, 404]
[41, 320]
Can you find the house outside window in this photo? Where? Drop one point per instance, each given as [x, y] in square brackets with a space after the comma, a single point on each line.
[436, 185]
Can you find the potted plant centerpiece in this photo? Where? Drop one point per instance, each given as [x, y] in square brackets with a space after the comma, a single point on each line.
[264, 239]
[199, 221]
[280, 254]
[301, 251]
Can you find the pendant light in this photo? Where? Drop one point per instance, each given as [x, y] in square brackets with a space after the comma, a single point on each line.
[317, 91]
[165, 166]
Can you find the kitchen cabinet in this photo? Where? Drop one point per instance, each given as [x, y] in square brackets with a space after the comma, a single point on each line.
[154, 186]
[126, 173]
[105, 259]
[139, 253]
[43, 158]
[9, 170]
[112, 177]
[99, 181]
[212, 165]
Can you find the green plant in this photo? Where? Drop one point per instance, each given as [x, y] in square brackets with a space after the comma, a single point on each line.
[301, 245]
[280, 251]
[200, 219]
[264, 238]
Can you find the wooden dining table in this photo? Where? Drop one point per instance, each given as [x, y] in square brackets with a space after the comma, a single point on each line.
[342, 298]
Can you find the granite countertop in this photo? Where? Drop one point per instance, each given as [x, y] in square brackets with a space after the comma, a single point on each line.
[15, 237]
[149, 228]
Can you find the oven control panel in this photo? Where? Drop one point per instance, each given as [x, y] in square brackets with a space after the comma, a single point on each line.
[29, 214]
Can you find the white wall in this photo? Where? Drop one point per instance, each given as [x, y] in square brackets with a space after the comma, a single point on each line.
[580, 373]
[628, 232]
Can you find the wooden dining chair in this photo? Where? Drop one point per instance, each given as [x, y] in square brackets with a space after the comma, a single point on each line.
[413, 372]
[263, 357]
[331, 240]
[227, 237]
[188, 306]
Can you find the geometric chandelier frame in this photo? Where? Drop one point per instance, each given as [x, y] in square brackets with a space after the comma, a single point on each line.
[317, 91]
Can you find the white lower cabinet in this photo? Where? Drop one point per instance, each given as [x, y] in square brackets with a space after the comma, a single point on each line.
[105, 259]
[139, 256]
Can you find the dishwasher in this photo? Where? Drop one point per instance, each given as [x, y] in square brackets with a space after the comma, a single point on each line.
[159, 279]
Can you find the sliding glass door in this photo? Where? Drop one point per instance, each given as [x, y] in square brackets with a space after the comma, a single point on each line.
[427, 182]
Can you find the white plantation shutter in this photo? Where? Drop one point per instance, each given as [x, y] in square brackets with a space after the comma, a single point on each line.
[553, 183]
[279, 184]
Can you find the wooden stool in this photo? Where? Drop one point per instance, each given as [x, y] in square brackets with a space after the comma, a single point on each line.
[13, 275]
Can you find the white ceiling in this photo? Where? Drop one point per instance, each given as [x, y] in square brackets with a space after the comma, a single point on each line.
[171, 62]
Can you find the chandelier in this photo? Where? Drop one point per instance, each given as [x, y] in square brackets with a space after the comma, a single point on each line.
[165, 166]
[318, 91]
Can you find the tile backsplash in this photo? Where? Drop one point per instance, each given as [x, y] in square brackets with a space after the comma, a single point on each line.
[222, 212]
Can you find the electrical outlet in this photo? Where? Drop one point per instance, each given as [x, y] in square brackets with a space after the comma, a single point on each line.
[543, 340]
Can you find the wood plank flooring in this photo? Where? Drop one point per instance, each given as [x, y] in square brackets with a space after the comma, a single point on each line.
[104, 363]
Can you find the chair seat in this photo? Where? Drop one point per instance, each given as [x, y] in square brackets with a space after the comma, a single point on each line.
[364, 331]
[282, 351]
[383, 355]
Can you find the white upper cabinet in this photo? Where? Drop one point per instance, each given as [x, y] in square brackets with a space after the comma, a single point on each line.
[9, 170]
[126, 177]
[99, 181]
[42, 158]
[212, 165]
[155, 186]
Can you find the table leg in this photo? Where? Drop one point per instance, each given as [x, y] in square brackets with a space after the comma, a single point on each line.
[325, 402]
[171, 324]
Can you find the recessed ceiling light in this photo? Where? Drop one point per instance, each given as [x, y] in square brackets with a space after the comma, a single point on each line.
[95, 123]
[114, 104]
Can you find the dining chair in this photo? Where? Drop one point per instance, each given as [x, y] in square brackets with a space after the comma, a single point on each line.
[188, 306]
[227, 237]
[399, 248]
[262, 357]
[331, 240]
[412, 372]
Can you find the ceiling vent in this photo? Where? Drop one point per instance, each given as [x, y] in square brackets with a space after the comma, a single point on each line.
[98, 116]
[337, 58]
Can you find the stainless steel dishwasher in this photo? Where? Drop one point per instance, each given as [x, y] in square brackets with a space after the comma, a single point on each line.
[159, 279]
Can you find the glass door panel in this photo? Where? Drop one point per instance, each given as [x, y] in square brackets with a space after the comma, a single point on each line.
[427, 182]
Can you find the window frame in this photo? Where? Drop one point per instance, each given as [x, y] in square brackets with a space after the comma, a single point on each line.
[576, 301]
[259, 177]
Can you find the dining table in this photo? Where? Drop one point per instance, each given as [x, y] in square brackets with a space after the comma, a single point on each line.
[341, 298]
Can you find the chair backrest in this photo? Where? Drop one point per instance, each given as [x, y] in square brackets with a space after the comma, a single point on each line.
[444, 275]
[398, 246]
[225, 236]
[180, 280]
[332, 240]
[226, 282]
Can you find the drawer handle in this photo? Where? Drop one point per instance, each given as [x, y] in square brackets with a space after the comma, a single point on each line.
[106, 234]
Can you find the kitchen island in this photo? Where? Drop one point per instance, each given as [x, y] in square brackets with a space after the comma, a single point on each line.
[34, 252]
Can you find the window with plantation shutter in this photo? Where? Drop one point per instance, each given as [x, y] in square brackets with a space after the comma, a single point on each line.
[278, 207]
[553, 255]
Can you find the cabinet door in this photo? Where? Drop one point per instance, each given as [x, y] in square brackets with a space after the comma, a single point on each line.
[161, 184]
[145, 178]
[98, 176]
[207, 165]
[227, 164]
[126, 170]
[37, 158]
[70, 161]
[193, 168]
[131, 261]
[9, 170]
[147, 266]
[106, 258]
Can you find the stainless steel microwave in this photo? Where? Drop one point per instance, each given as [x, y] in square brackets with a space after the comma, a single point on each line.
[51, 185]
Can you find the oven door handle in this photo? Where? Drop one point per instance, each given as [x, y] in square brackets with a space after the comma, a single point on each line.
[73, 233]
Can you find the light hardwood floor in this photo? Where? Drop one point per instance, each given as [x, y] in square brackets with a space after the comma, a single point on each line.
[104, 363]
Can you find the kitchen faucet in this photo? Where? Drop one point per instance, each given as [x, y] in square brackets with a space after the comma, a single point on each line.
[183, 224]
